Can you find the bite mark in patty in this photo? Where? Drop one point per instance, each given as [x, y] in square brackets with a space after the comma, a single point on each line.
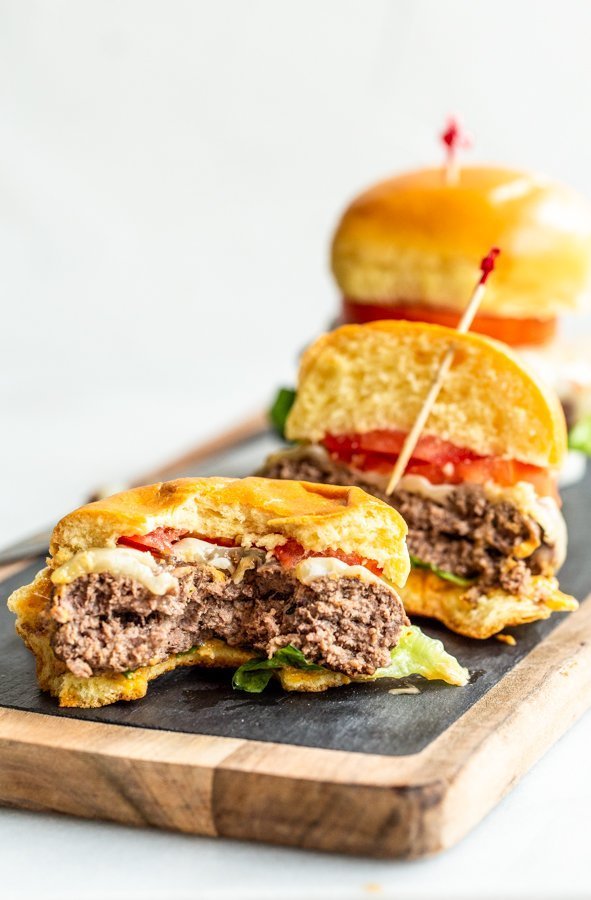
[105, 623]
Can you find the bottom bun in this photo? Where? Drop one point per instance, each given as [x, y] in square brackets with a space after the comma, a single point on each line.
[481, 615]
[30, 604]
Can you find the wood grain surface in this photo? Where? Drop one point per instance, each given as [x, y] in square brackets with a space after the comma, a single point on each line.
[324, 799]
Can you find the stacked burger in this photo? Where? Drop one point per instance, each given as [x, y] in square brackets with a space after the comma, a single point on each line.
[485, 532]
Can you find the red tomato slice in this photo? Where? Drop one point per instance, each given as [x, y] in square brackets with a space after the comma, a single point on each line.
[292, 552]
[507, 472]
[440, 462]
[158, 541]
[289, 554]
[509, 330]
[429, 448]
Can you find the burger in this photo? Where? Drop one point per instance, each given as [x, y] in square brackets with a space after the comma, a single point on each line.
[270, 578]
[485, 532]
[408, 249]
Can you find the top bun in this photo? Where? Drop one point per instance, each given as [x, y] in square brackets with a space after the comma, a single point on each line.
[359, 378]
[248, 511]
[417, 239]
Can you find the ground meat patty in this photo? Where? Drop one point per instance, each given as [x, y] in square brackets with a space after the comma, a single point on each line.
[468, 536]
[105, 623]
[471, 537]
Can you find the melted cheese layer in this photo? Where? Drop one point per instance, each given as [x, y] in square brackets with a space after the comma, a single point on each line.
[329, 567]
[195, 550]
[120, 561]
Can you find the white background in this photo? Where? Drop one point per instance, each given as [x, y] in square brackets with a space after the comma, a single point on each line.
[170, 173]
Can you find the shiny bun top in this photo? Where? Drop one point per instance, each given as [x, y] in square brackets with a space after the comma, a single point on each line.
[417, 239]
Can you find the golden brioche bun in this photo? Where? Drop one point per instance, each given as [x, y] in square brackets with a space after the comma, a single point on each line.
[376, 376]
[426, 594]
[30, 603]
[419, 240]
[257, 511]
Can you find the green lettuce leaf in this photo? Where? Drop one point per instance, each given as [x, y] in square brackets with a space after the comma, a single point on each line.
[447, 576]
[417, 654]
[579, 437]
[254, 676]
[279, 411]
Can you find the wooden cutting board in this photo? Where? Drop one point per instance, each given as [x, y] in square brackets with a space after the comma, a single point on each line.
[358, 769]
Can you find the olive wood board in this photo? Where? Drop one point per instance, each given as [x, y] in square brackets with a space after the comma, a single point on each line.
[357, 769]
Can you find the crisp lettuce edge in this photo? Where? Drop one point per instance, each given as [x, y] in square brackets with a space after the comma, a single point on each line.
[417, 563]
[414, 654]
[579, 437]
[280, 408]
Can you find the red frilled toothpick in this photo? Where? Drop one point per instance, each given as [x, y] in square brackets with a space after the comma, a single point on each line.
[454, 139]
[486, 267]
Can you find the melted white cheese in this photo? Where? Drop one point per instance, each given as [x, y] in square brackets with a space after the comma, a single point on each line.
[416, 484]
[194, 550]
[233, 560]
[328, 567]
[120, 561]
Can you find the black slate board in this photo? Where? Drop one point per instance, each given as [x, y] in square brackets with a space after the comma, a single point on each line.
[358, 718]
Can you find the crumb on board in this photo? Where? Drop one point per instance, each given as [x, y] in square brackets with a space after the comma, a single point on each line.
[506, 639]
[567, 668]
[405, 689]
[373, 888]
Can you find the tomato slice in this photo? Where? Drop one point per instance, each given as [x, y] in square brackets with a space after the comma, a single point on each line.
[292, 552]
[376, 450]
[429, 447]
[440, 462]
[158, 541]
[289, 554]
[507, 472]
[504, 328]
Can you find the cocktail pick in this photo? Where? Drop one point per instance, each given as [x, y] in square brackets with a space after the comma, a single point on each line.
[454, 139]
[486, 267]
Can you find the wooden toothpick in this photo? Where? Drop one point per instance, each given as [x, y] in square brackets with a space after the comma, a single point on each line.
[454, 138]
[486, 267]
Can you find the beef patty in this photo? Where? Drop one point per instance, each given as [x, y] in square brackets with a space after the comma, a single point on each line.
[468, 535]
[105, 623]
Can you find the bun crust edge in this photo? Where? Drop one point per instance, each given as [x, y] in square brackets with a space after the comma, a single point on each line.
[426, 594]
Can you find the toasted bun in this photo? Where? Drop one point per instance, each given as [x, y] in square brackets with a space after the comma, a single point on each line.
[30, 604]
[376, 376]
[426, 594]
[417, 239]
[248, 511]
